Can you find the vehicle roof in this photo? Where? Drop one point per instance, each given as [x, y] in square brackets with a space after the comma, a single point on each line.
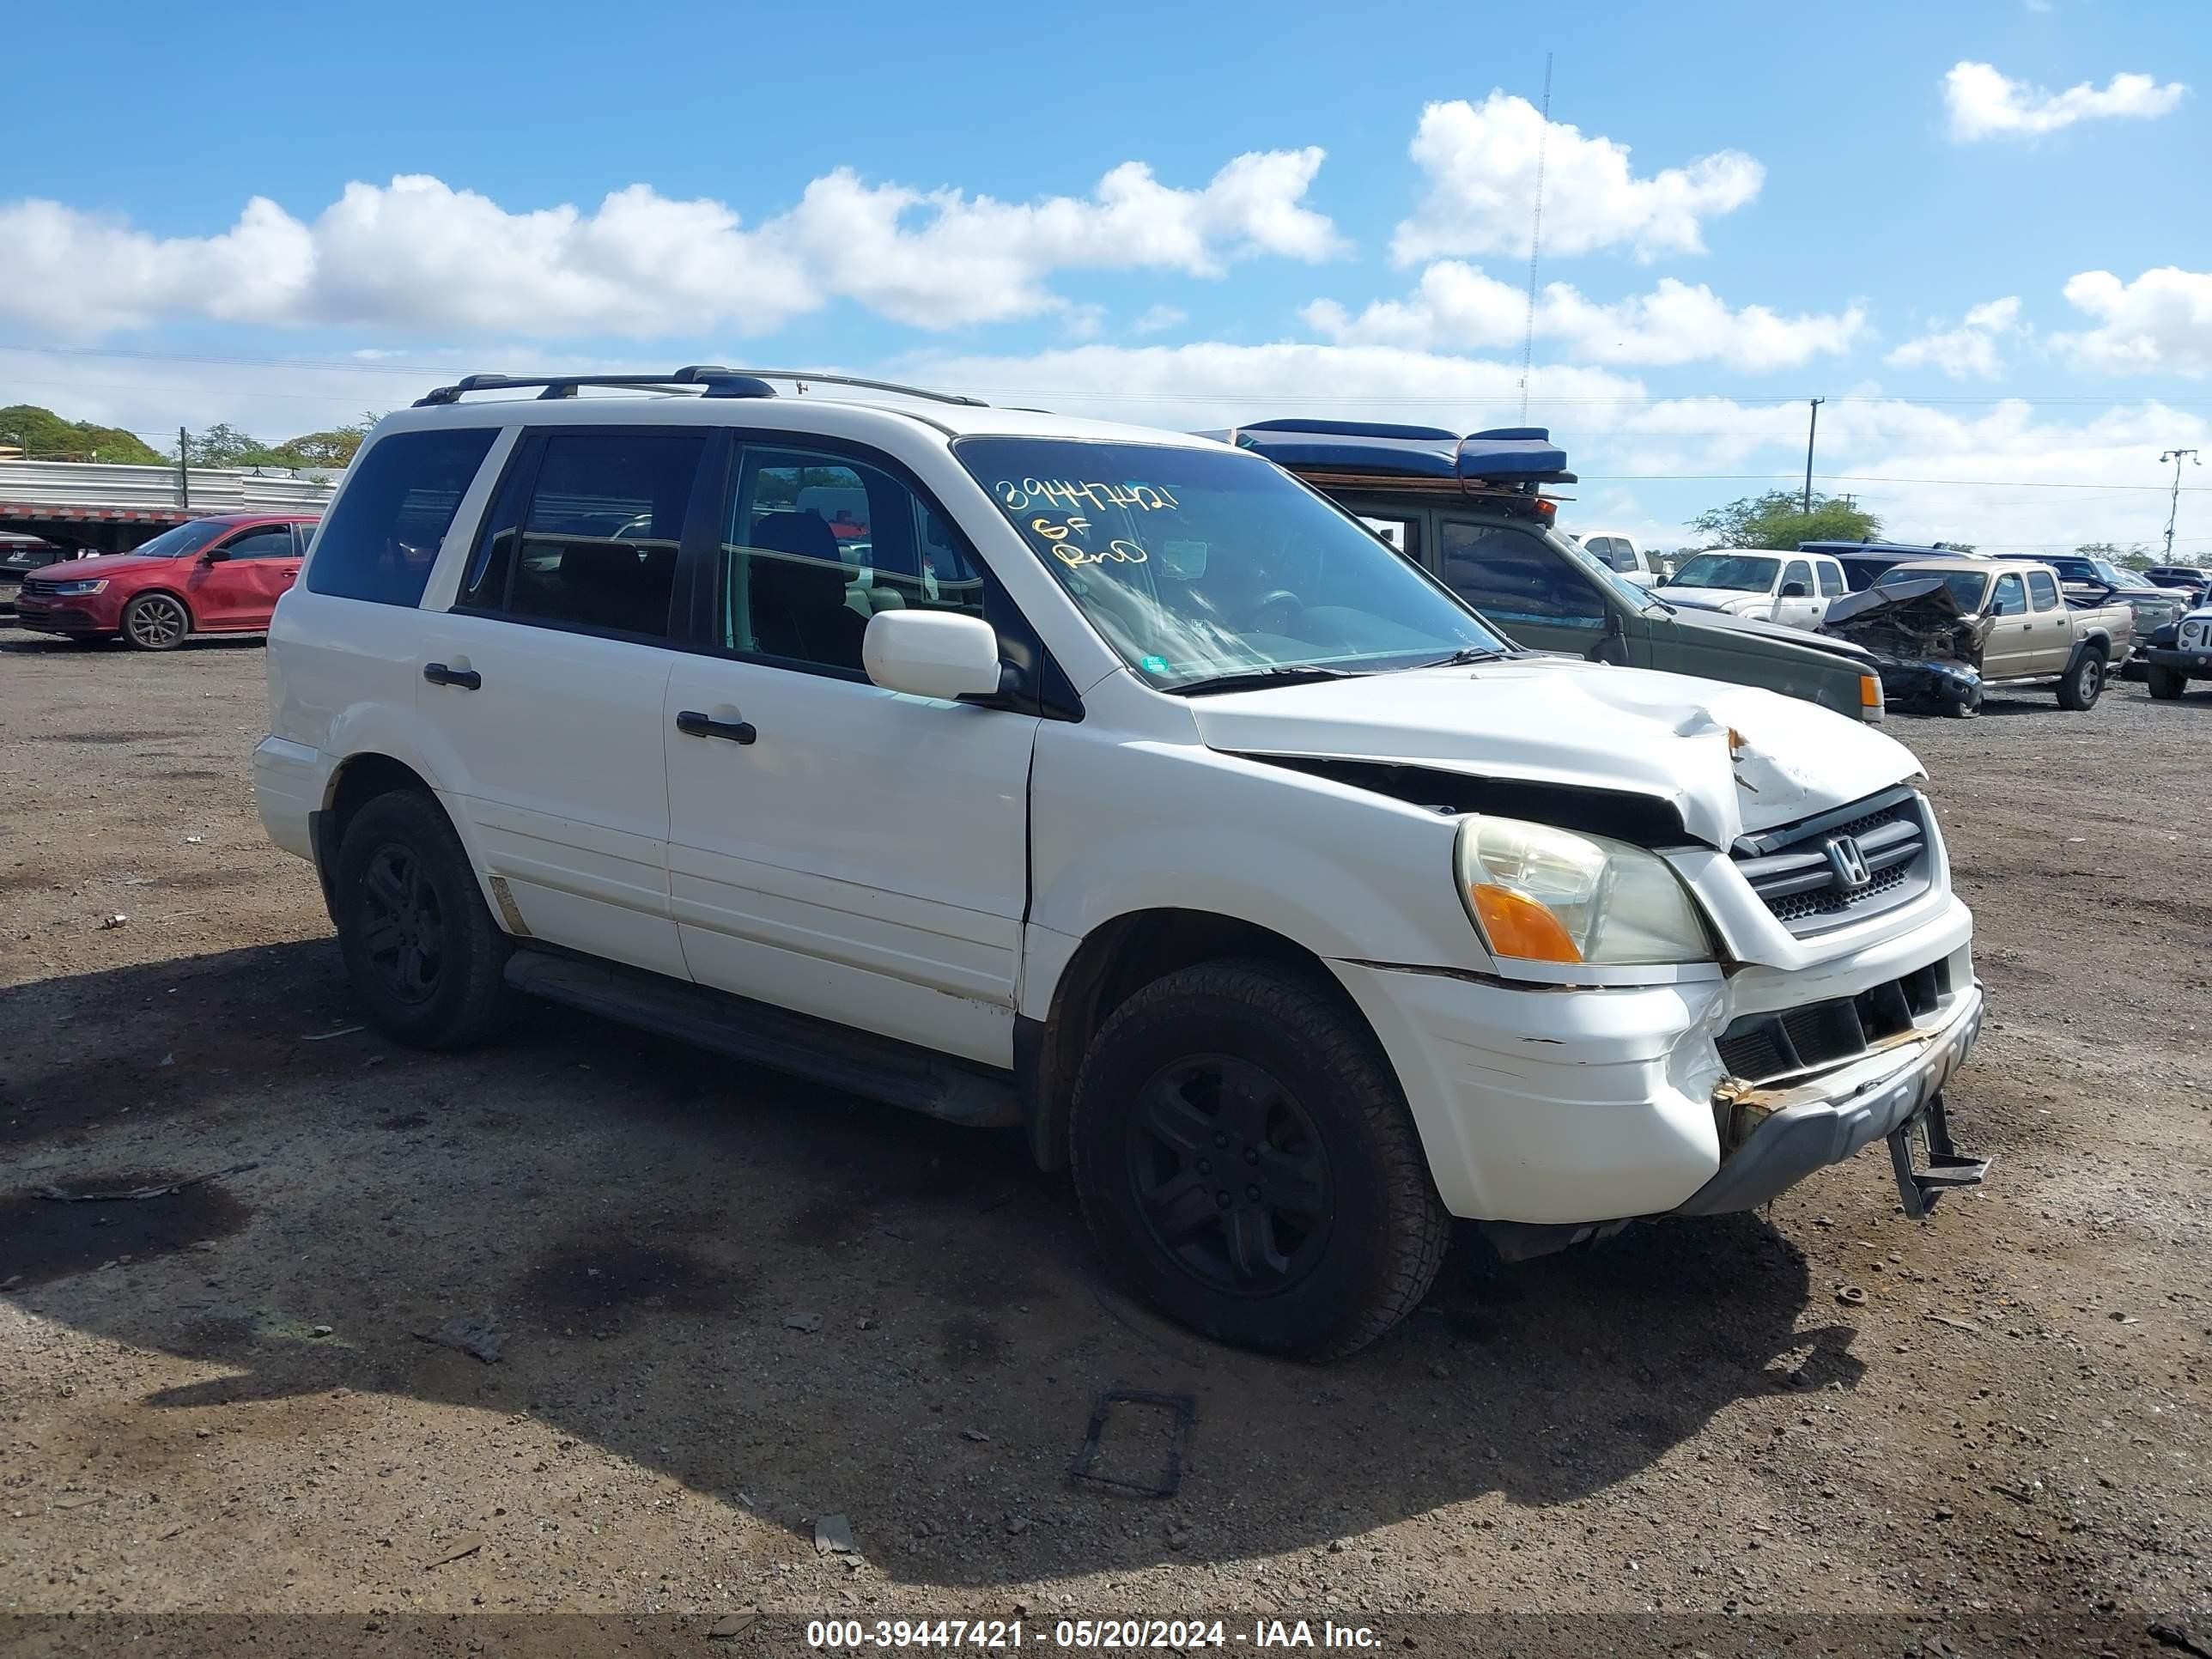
[1755, 552]
[1885, 550]
[275, 515]
[811, 410]
[1967, 566]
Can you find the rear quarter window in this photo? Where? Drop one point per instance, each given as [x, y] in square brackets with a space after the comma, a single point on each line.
[383, 535]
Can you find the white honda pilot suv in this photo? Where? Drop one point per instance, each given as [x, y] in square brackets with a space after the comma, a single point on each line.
[1113, 786]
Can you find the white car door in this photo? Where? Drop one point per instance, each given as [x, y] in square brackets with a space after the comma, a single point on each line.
[545, 685]
[835, 849]
[1800, 609]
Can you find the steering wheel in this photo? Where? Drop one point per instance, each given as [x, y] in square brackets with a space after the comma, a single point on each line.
[1276, 613]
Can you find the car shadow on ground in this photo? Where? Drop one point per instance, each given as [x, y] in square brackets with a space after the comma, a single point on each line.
[763, 1289]
[22, 641]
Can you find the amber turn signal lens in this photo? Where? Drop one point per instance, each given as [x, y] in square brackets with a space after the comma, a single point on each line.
[1869, 691]
[1516, 925]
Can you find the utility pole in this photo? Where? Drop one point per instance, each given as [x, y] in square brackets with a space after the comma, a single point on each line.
[184, 469]
[1809, 433]
[2173, 512]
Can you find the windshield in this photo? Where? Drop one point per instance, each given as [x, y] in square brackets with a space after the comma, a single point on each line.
[185, 538]
[1194, 564]
[1742, 572]
[1966, 586]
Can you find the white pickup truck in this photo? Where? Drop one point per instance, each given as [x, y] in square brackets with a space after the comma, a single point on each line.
[1110, 785]
[1790, 588]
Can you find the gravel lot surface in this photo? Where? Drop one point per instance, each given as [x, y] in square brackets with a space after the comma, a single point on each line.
[728, 1305]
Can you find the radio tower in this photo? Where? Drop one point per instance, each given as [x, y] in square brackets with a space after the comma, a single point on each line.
[1535, 243]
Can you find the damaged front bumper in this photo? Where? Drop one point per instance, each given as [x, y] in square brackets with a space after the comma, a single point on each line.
[1786, 1130]
[1928, 681]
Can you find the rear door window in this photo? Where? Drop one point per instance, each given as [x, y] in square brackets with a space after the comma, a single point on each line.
[585, 531]
[383, 536]
[2042, 590]
[1831, 577]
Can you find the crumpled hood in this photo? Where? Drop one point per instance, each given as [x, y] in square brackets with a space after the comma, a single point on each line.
[1927, 597]
[1581, 724]
[100, 565]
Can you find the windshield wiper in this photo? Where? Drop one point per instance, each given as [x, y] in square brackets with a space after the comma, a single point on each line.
[1250, 679]
[1468, 653]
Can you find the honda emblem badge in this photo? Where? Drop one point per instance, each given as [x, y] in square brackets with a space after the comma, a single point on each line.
[1849, 863]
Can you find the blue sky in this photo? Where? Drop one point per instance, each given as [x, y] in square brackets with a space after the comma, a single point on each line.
[1978, 229]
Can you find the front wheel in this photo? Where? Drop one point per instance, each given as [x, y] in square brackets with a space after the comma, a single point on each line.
[1246, 1162]
[2167, 684]
[421, 950]
[156, 622]
[2084, 682]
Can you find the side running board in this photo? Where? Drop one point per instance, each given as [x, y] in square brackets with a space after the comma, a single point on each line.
[837, 1056]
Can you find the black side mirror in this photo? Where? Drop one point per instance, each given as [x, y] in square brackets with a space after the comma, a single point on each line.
[1793, 590]
[214, 556]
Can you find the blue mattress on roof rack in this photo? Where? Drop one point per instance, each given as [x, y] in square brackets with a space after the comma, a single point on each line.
[1505, 455]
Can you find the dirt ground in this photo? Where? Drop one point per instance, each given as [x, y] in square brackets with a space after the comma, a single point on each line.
[729, 1304]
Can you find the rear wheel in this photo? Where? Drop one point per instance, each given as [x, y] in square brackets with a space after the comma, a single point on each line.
[1246, 1162]
[2167, 683]
[423, 953]
[2084, 682]
[156, 622]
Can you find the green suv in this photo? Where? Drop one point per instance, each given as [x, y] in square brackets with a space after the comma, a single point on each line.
[1467, 510]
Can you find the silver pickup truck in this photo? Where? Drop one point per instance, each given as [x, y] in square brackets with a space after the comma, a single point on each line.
[1944, 630]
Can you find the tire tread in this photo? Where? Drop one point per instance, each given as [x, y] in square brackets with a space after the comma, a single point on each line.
[1420, 1231]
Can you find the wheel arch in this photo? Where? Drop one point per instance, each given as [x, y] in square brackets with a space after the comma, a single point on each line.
[1116, 959]
[191, 616]
[353, 783]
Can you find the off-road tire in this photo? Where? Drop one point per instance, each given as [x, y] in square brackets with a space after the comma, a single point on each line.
[2167, 684]
[156, 622]
[2084, 682]
[402, 840]
[1387, 1230]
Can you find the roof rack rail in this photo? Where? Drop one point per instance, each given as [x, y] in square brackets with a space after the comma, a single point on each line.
[712, 379]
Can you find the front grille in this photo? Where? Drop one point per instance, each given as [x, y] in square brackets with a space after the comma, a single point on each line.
[1855, 861]
[1759, 1047]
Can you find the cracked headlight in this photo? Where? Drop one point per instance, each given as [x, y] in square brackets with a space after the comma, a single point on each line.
[1537, 894]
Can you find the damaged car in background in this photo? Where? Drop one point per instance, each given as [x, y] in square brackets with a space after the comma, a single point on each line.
[1943, 630]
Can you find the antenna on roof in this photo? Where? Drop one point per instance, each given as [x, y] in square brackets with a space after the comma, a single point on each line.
[1536, 242]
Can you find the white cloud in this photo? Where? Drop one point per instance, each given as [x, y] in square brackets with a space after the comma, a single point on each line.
[1986, 103]
[419, 254]
[1459, 305]
[1617, 436]
[1968, 351]
[1481, 163]
[1158, 319]
[2160, 321]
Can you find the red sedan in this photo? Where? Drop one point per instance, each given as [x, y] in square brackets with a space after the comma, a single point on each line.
[221, 575]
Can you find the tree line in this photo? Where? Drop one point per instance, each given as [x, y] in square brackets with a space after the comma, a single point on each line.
[42, 435]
